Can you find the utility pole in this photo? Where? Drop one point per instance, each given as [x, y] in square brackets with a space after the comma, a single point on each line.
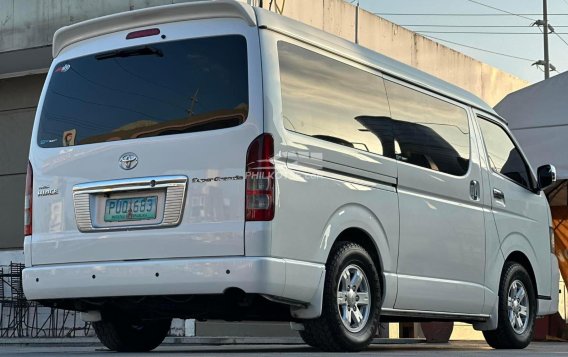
[357, 23]
[546, 55]
[546, 30]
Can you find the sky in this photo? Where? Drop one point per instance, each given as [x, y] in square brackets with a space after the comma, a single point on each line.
[528, 46]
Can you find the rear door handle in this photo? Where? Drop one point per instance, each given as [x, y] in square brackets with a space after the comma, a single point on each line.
[498, 194]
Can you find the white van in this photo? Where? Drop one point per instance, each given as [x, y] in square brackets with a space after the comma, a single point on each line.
[212, 160]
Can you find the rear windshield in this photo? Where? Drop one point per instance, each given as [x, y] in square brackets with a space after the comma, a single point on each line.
[139, 92]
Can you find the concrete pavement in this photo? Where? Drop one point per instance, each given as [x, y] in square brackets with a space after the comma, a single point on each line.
[456, 348]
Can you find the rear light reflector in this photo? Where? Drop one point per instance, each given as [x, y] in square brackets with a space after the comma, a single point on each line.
[260, 179]
[143, 33]
[28, 201]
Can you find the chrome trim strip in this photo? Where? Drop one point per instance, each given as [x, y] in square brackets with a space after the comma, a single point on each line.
[130, 184]
[82, 212]
[174, 205]
[173, 211]
[435, 315]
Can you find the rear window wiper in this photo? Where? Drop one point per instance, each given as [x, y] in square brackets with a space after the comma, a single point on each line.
[139, 51]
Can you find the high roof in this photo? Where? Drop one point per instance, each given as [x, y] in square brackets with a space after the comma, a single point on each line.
[366, 57]
[150, 16]
[266, 19]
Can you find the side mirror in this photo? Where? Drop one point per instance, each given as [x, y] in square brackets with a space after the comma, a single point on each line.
[546, 176]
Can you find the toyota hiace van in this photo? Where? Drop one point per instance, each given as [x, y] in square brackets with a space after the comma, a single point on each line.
[213, 160]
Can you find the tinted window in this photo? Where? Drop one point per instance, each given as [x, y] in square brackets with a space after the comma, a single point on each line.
[504, 157]
[158, 89]
[333, 101]
[429, 132]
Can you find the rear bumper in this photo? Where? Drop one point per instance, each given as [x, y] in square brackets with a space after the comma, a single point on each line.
[284, 278]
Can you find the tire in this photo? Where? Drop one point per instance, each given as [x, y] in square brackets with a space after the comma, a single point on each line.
[128, 336]
[330, 332]
[509, 335]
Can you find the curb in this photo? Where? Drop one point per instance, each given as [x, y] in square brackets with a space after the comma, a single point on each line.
[270, 341]
[49, 341]
[212, 341]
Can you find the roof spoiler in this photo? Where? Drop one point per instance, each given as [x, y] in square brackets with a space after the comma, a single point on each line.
[71, 34]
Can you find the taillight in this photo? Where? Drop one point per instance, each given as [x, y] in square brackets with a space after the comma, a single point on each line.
[28, 200]
[260, 179]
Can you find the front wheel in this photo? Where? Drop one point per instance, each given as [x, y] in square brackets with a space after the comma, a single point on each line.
[351, 302]
[125, 335]
[517, 310]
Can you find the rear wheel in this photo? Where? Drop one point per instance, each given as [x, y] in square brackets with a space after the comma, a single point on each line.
[351, 303]
[517, 310]
[125, 335]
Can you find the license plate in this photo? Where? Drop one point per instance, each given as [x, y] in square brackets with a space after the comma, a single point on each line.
[131, 209]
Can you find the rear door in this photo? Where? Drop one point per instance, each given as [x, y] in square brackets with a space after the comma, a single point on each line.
[139, 146]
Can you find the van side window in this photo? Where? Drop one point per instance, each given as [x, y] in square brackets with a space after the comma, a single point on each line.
[429, 132]
[504, 157]
[330, 100]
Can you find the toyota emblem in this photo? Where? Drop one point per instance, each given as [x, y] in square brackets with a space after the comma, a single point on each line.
[128, 161]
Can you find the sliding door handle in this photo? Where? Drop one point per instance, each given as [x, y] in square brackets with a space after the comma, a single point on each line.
[474, 190]
[498, 194]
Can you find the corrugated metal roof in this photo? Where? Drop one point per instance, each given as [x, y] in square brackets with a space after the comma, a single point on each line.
[538, 116]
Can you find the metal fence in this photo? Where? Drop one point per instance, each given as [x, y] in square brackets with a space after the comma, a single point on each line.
[22, 318]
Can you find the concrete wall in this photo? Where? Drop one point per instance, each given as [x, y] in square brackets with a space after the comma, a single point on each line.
[31, 23]
[378, 34]
[18, 101]
[26, 24]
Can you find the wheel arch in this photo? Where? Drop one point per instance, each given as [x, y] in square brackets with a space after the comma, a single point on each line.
[518, 248]
[355, 223]
[498, 330]
[363, 238]
[520, 258]
[517, 256]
